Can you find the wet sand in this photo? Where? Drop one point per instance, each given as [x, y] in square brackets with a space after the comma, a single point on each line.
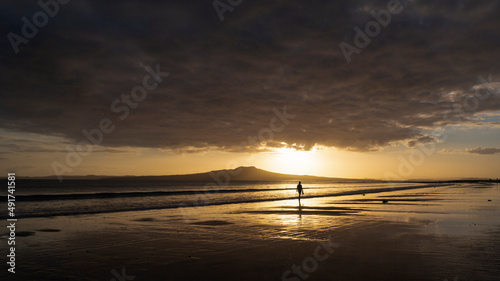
[437, 233]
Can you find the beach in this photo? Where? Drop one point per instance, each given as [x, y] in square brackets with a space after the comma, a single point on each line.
[449, 232]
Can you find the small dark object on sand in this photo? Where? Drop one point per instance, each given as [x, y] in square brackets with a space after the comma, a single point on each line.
[489, 200]
[385, 201]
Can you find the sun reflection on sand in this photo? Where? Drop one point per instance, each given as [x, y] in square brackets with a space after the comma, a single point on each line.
[296, 221]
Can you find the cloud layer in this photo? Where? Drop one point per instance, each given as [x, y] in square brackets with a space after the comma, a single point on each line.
[227, 77]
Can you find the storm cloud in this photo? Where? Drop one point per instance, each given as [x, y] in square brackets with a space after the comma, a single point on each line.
[417, 75]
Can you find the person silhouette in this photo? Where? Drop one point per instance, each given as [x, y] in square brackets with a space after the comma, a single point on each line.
[299, 189]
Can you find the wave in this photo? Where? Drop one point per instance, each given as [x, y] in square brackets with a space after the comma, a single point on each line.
[108, 195]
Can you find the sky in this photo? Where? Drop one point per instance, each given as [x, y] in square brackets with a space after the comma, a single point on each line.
[356, 89]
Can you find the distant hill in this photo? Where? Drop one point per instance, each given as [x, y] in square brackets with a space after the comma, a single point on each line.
[238, 174]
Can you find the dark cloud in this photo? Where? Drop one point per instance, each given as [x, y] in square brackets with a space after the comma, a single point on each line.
[227, 77]
[483, 151]
[475, 150]
[422, 140]
[12, 148]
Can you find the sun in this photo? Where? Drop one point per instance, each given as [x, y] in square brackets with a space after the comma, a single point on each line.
[292, 161]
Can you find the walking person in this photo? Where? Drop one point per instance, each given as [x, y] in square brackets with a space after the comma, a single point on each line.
[299, 189]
